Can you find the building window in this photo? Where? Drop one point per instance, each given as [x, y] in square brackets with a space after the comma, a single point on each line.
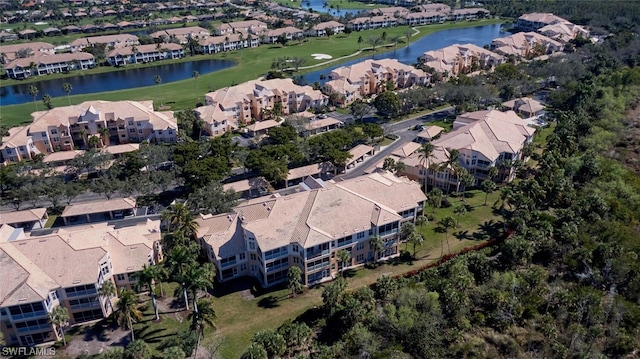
[54, 131]
[120, 277]
[56, 139]
[140, 131]
[252, 245]
[253, 256]
[43, 134]
[243, 256]
[360, 235]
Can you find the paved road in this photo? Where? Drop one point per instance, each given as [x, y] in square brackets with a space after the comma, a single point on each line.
[404, 131]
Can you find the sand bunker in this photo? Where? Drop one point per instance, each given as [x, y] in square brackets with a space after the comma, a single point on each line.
[321, 56]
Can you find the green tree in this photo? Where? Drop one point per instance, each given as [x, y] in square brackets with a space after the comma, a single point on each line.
[59, 317]
[180, 219]
[272, 342]
[255, 351]
[446, 224]
[488, 186]
[173, 352]
[157, 79]
[213, 198]
[387, 103]
[376, 245]
[344, 260]
[416, 239]
[107, 290]
[46, 100]
[421, 221]
[127, 311]
[201, 319]
[358, 110]
[425, 154]
[67, 88]
[298, 336]
[33, 91]
[198, 278]
[138, 349]
[459, 210]
[333, 293]
[195, 76]
[294, 278]
[147, 277]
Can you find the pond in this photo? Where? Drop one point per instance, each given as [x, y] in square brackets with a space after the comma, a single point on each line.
[111, 81]
[477, 35]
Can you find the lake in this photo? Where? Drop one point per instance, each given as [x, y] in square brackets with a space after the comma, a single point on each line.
[140, 77]
[478, 35]
[111, 81]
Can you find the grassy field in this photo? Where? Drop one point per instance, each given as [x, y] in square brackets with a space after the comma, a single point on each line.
[239, 318]
[251, 64]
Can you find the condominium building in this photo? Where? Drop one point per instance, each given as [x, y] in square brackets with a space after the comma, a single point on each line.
[251, 100]
[371, 77]
[289, 33]
[45, 64]
[468, 14]
[144, 54]
[66, 268]
[228, 42]
[564, 31]
[484, 139]
[373, 22]
[536, 20]
[525, 45]
[9, 53]
[425, 18]
[181, 34]
[70, 127]
[461, 59]
[395, 11]
[110, 41]
[321, 28]
[266, 236]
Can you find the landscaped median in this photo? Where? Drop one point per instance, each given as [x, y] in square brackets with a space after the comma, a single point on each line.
[252, 63]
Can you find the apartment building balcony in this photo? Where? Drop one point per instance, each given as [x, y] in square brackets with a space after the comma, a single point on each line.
[315, 254]
[34, 314]
[388, 233]
[315, 267]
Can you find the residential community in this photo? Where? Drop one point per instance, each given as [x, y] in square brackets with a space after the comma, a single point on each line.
[467, 202]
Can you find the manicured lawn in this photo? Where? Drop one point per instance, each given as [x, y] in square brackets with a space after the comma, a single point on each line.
[252, 63]
[239, 319]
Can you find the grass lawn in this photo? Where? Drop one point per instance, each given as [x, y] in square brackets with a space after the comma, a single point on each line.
[251, 64]
[239, 319]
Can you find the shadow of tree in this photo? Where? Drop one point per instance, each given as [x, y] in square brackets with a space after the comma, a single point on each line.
[269, 302]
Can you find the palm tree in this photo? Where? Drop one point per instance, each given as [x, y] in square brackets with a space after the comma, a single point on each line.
[416, 239]
[195, 76]
[344, 258]
[294, 277]
[127, 310]
[446, 223]
[66, 87]
[425, 153]
[201, 319]
[459, 210]
[158, 80]
[180, 219]
[492, 172]
[452, 164]
[435, 198]
[376, 245]
[83, 134]
[146, 278]
[33, 91]
[488, 186]
[180, 260]
[107, 290]
[198, 278]
[59, 317]
[104, 134]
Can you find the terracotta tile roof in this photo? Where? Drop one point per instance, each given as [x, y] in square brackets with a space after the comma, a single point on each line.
[27, 215]
[113, 204]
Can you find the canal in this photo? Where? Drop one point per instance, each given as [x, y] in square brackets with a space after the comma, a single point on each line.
[111, 81]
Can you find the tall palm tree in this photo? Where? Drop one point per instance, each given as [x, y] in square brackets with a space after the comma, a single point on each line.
[127, 310]
[201, 319]
[198, 278]
[195, 76]
[107, 290]
[294, 277]
[446, 224]
[416, 239]
[180, 219]
[344, 258]
[66, 88]
[179, 260]
[376, 245]
[459, 210]
[453, 165]
[59, 317]
[104, 134]
[33, 91]
[425, 154]
[158, 80]
[147, 278]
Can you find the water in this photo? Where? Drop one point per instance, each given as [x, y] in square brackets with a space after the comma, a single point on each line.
[318, 6]
[111, 81]
[478, 35]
